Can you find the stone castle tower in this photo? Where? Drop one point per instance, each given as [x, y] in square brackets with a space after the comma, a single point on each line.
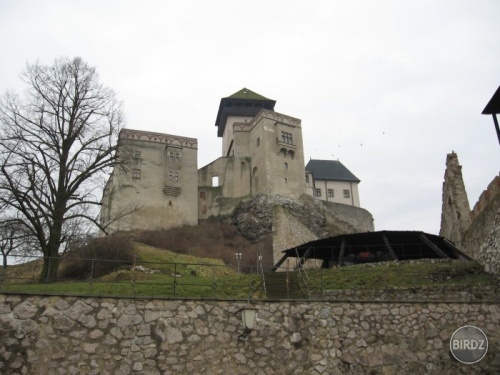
[262, 153]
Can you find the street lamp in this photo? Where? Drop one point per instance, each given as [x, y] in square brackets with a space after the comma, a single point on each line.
[238, 258]
[493, 108]
[248, 317]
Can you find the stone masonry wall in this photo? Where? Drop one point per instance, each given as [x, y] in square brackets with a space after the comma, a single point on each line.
[69, 335]
[489, 252]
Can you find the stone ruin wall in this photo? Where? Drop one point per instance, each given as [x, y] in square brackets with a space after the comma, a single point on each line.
[455, 212]
[51, 335]
[475, 231]
[482, 218]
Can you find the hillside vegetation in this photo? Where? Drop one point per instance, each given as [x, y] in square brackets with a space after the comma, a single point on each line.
[199, 262]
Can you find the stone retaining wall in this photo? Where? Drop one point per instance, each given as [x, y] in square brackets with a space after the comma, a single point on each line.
[70, 335]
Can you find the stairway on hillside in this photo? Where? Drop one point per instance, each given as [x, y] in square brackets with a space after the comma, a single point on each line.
[277, 288]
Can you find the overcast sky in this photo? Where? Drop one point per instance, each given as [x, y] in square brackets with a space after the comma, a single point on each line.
[387, 87]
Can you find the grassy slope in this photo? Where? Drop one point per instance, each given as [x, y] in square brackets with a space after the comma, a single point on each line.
[184, 275]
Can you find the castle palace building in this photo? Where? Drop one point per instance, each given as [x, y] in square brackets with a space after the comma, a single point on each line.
[160, 187]
[331, 181]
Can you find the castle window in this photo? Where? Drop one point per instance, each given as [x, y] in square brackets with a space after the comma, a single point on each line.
[215, 181]
[347, 194]
[258, 142]
[170, 174]
[136, 174]
[137, 156]
[285, 165]
[286, 180]
[176, 176]
[317, 192]
[171, 155]
[286, 138]
[307, 178]
[330, 192]
[177, 157]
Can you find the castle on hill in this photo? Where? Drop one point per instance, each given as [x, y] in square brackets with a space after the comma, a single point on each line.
[262, 154]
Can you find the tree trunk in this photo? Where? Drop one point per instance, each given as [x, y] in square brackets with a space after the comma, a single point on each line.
[49, 269]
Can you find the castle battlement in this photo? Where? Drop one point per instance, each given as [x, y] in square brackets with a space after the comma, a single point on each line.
[142, 135]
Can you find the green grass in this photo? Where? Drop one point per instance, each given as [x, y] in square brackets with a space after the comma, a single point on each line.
[401, 275]
[186, 276]
[178, 275]
[124, 283]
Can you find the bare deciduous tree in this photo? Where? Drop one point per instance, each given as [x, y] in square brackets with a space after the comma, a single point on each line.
[57, 141]
[12, 238]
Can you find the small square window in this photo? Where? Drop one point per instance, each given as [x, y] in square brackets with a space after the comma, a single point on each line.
[347, 194]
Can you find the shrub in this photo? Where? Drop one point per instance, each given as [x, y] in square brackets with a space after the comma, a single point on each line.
[213, 238]
[97, 258]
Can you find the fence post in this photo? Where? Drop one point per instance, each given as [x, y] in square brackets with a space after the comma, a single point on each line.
[91, 276]
[48, 271]
[322, 286]
[287, 278]
[175, 277]
[133, 275]
[214, 285]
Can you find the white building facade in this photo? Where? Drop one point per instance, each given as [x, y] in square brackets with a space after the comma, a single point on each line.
[331, 181]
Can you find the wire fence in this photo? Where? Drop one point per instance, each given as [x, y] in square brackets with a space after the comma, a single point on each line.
[434, 280]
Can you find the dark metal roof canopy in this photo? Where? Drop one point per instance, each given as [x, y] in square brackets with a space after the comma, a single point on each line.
[372, 247]
[242, 103]
[493, 108]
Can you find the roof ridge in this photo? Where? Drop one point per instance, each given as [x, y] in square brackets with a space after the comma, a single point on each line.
[247, 94]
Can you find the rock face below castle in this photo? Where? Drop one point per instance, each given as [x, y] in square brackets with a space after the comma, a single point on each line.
[291, 222]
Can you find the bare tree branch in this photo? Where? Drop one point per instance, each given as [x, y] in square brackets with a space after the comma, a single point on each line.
[56, 142]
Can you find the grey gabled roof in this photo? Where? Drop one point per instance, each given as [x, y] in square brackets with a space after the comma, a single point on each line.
[330, 170]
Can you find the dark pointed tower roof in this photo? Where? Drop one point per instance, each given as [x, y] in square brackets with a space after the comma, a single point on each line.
[242, 103]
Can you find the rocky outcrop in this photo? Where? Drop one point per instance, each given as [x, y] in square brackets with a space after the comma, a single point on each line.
[292, 222]
[254, 218]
